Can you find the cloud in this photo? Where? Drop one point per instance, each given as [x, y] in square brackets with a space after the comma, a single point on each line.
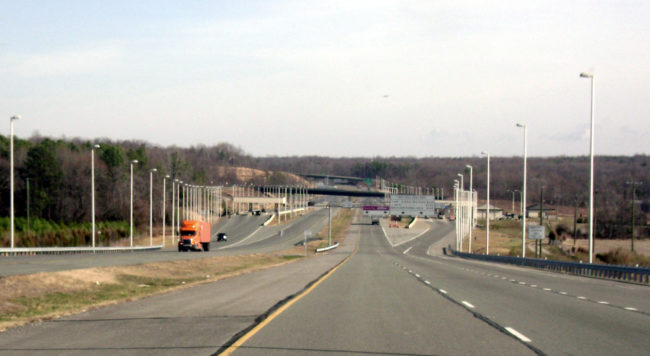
[65, 62]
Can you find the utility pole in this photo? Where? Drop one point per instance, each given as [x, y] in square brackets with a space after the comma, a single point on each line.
[634, 184]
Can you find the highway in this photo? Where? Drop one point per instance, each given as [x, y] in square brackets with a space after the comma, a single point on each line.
[245, 236]
[383, 300]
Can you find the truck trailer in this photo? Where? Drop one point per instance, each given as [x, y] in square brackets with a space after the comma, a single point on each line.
[195, 236]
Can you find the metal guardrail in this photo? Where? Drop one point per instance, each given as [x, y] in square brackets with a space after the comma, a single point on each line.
[328, 248]
[621, 273]
[71, 250]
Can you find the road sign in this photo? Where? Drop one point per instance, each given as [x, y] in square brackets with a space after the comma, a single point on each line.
[413, 205]
[536, 232]
[374, 210]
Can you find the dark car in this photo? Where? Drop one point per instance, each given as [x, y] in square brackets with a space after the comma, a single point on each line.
[222, 236]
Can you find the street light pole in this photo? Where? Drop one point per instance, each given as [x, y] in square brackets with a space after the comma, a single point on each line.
[591, 168]
[462, 210]
[457, 228]
[487, 217]
[11, 175]
[523, 198]
[471, 206]
[174, 208]
[92, 188]
[151, 171]
[135, 161]
[164, 204]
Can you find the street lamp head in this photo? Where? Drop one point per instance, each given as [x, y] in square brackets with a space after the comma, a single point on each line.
[586, 75]
[485, 153]
[458, 174]
[167, 176]
[468, 166]
[135, 161]
[154, 170]
[96, 146]
[15, 117]
[521, 125]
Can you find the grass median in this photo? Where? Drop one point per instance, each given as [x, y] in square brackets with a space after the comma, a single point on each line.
[41, 296]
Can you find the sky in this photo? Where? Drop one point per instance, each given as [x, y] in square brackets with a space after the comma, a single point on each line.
[332, 78]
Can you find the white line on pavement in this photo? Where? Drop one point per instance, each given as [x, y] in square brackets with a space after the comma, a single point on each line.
[517, 334]
[468, 304]
[632, 309]
[442, 291]
[603, 302]
[407, 250]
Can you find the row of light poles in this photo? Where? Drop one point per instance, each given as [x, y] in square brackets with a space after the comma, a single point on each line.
[589, 76]
[92, 184]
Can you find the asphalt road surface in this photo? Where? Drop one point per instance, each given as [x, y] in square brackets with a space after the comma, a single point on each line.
[243, 231]
[382, 300]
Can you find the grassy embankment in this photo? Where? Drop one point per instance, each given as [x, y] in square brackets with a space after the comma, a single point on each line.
[340, 224]
[505, 239]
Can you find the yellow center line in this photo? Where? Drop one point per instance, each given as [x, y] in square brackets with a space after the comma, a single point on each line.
[232, 348]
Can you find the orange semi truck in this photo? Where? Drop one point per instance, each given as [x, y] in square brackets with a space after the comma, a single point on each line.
[195, 236]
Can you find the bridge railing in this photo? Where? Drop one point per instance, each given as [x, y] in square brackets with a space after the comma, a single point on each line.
[615, 272]
[71, 250]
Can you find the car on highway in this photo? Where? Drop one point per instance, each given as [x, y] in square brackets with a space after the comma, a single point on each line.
[222, 237]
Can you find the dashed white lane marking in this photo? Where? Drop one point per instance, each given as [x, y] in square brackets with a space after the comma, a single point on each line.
[427, 282]
[469, 305]
[563, 293]
[407, 250]
[512, 280]
[522, 282]
[581, 297]
[442, 291]
[504, 278]
[517, 334]
[533, 285]
[603, 302]
[547, 289]
[631, 309]
[417, 275]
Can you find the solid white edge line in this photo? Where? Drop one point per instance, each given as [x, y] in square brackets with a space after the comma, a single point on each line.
[467, 304]
[242, 240]
[412, 238]
[517, 334]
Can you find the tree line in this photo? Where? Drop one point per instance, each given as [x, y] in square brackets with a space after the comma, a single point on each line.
[58, 171]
